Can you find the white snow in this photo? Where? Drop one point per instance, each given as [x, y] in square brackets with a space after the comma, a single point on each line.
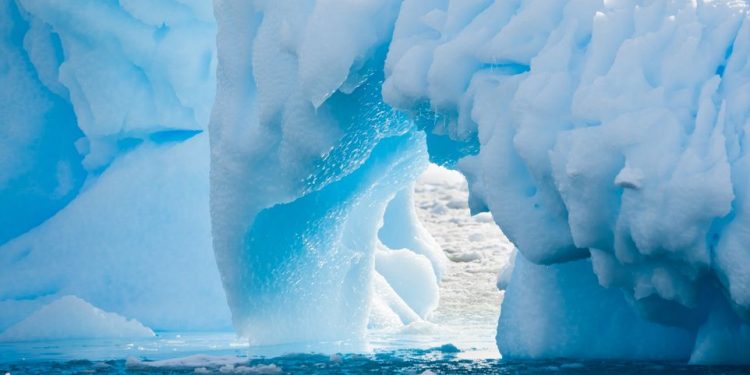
[71, 317]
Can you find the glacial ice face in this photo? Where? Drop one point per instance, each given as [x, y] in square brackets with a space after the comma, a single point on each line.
[103, 167]
[136, 242]
[305, 159]
[606, 129]
[610, 130]
[561, 311]
[40, 169]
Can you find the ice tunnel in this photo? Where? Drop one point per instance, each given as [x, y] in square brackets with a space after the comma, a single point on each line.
[280, 140]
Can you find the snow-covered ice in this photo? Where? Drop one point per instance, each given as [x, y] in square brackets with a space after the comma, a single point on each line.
[586, 134]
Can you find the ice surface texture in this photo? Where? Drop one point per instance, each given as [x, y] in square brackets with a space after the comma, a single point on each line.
[103, 167]
[305, 159]
[605, 129]
[73, 318]
[609, 130]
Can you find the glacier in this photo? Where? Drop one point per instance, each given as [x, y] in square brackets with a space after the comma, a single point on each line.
[605, 137]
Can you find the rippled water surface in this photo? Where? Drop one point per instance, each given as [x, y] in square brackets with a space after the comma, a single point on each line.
[398, 362]
[222, 353]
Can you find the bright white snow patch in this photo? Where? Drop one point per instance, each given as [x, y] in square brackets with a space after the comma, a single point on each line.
[71, 317]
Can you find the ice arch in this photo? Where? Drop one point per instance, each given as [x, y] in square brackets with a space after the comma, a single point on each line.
[609, 130]
[579, 124]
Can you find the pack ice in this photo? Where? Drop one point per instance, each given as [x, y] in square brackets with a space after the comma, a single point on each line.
[607, 139]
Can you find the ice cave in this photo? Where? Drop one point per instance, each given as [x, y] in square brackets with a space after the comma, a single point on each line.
[322, 176]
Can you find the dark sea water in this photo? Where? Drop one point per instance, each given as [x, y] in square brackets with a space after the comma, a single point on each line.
[223, 354]
[381, 363]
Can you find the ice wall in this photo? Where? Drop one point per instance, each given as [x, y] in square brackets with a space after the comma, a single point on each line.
[305, 158]
[103, 160]
[609, 129]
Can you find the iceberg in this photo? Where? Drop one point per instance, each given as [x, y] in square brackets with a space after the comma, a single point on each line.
[175, 162]
[609, 130]
[590, 129]
[104, 160]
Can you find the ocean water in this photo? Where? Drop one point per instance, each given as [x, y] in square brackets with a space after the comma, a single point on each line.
[173, 353]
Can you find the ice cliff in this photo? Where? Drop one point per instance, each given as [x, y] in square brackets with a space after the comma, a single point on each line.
[612, 130]
[609, 130]
[607, 139]
[104, 160]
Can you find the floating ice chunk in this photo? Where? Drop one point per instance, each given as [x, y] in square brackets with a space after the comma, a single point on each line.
[71, 317]
[465, 257]
[203, 364]
[305, 158]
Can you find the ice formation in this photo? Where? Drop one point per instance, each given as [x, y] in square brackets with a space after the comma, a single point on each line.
[70, 317]
[305, 159]
[597, 138]
[607, 139]
[605, 129]
[104, 160]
